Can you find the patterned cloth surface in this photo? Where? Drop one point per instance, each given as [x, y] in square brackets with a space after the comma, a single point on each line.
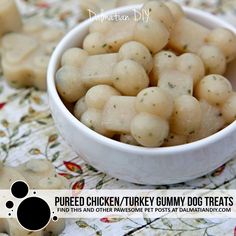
[27, 131]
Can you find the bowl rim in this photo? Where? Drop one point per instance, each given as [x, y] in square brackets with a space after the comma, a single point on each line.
[51, 89]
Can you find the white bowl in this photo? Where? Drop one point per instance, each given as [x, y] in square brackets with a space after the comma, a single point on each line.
[141, 165]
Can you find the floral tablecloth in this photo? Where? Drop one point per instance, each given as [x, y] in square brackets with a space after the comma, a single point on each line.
[27, 131]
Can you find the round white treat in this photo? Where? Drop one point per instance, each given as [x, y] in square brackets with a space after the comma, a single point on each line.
[74, 57]
[215, 89]
[95, 43]
[97, 96]
[155, 101]
[138, 52]
[225, 40]
[213, 59]
[129, 77]
[69, 84]
[149, 130]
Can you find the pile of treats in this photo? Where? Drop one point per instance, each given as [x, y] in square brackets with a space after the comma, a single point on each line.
[156, 82]
[25, 47]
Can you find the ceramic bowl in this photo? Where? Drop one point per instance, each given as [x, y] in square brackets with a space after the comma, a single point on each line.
[153, 166]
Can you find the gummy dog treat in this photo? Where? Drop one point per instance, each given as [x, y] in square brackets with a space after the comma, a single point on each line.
[32, 172]
[41, 174]
[124, 70]
[150, 126]
[121, 115]
[38, 174]
[120, 112]
[219, 43]
[92, 71]
[95, 101]
[187, 63]
[25, 56]
[10, 19]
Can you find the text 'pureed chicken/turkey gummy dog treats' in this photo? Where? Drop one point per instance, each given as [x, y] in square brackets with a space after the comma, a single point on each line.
[151, 83]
